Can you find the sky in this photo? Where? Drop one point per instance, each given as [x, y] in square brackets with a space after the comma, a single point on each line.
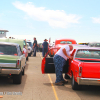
[54, 19]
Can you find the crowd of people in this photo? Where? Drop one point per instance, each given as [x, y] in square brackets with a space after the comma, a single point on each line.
[45, 47]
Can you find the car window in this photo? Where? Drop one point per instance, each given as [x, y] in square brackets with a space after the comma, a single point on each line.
[19, 49]
[88, 54]
[66, 42]
[30, 43]
[97, 45]
[24, 42]
[8, 50]
[94, 44]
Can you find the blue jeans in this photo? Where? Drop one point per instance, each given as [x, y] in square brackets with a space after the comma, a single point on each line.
[45, 50]
[34, 54]
[59, 62]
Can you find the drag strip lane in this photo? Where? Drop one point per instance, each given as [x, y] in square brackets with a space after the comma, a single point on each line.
[55, 93]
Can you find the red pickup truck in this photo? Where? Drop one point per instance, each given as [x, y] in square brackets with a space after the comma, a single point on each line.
[58, 44]
[84, 69]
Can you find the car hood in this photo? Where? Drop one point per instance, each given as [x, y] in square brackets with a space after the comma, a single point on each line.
[8, 58]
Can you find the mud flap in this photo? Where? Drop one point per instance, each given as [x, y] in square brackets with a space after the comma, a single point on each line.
[48, 66]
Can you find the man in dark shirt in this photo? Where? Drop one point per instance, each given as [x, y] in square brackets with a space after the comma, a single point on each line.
[45, 47]
[34, 46]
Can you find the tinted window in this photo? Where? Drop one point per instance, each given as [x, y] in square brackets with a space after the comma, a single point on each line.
[8, 50]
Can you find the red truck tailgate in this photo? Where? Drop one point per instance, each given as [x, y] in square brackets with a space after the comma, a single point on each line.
[91, 70]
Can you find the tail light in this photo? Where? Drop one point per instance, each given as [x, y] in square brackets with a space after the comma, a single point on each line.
[80, 71]
[18, 64]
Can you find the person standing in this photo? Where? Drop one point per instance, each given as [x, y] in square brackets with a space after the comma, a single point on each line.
[60, 59]
[45, 47]
[34, 46]
[37, 49]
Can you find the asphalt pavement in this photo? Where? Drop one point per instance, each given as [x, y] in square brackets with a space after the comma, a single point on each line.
[38, 86]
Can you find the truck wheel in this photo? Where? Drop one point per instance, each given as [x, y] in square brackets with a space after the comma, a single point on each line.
[66, 76]
[17, 78]
[75, 85]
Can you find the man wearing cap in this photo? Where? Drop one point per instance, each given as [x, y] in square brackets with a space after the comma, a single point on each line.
[34, 46]
[45, 47]
[60, 59]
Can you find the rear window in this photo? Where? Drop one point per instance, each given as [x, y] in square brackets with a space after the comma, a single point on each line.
[8, 50]
[88, 54]
[30, 43]
[66, 42]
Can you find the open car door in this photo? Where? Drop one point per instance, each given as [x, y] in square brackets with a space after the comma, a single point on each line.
[47, 65]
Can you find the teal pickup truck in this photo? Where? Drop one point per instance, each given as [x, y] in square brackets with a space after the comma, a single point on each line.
[12, 61]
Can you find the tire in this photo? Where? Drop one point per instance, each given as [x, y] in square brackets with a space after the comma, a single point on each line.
[17, 78]
[27, 58]
[75, 85]
[66, 76]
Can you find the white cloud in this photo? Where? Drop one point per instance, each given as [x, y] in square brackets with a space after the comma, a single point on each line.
[95, 20]
[55, 18]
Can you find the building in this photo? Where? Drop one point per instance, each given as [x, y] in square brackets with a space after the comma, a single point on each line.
[3, 33]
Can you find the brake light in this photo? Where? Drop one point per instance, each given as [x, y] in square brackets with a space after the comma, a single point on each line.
[18, 62]
[80, 71]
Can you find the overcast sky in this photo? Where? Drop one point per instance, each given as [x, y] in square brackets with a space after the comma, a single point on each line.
[55, 19]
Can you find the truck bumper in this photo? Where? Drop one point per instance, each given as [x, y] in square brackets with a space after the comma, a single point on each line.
[9, 71]
[88, 81]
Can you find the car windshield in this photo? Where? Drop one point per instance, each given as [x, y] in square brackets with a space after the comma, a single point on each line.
[8, 50]
[88, 54]
[66, 42]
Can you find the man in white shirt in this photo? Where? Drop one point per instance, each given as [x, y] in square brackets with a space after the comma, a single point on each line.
[60, 59]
